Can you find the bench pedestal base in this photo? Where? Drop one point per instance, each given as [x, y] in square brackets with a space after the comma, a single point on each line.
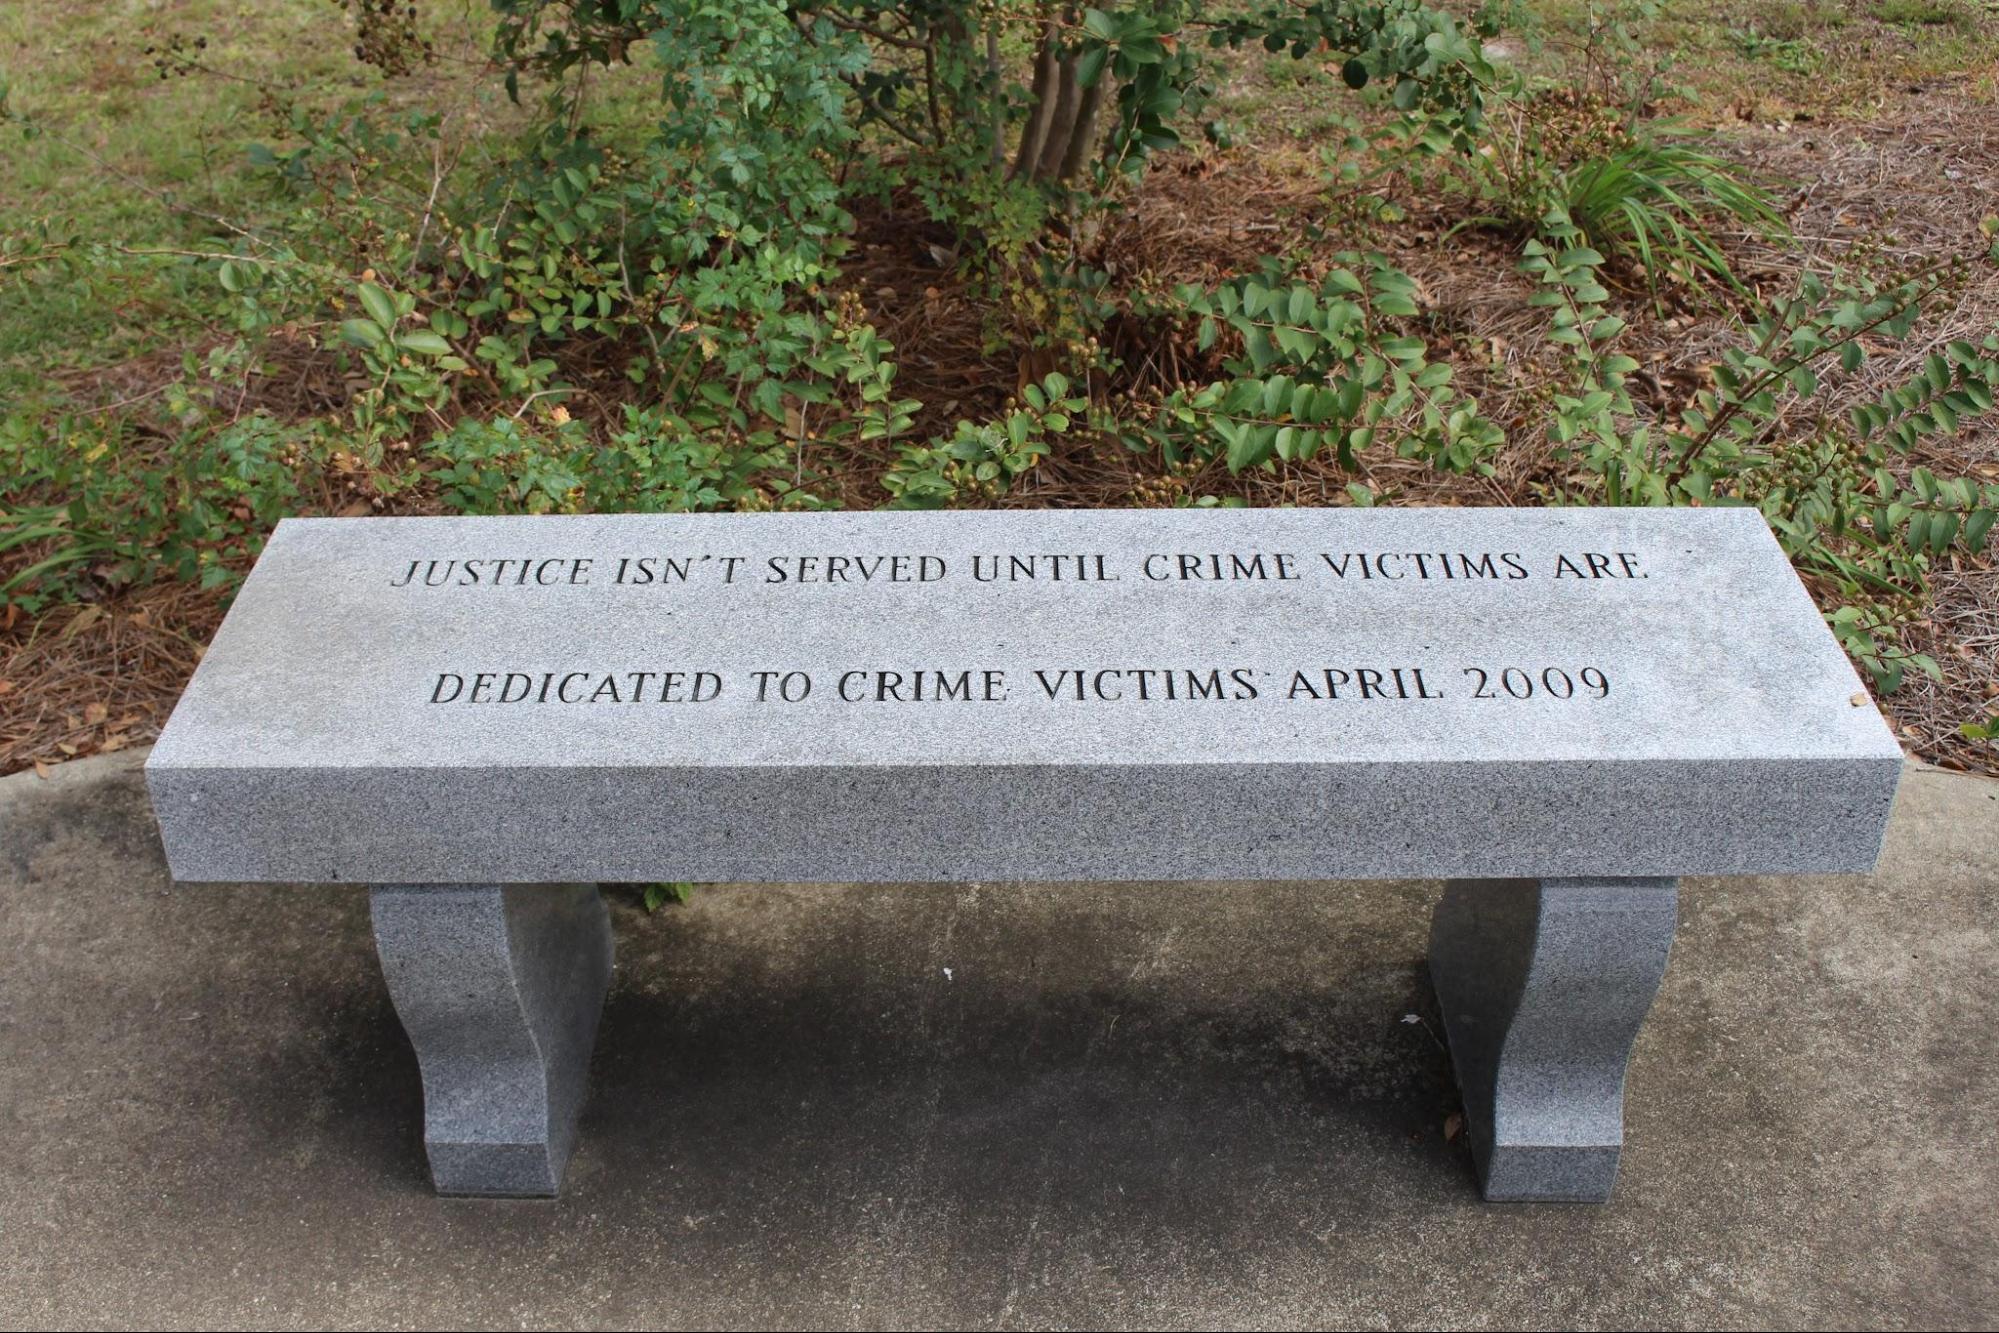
[1544, 984]
[499, 987]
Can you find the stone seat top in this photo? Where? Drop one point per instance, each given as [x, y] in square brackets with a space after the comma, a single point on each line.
[419, 699]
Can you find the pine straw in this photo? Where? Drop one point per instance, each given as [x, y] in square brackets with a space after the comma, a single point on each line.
[98, 678]
[1961, 631]
[1910, 186]
[297, 376]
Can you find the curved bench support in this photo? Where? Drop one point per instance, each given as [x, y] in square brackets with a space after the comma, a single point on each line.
[499, 987]
[1544, 984]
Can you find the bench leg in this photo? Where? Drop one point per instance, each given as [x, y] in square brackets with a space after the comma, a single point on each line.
[499, 987]
[1543, 985]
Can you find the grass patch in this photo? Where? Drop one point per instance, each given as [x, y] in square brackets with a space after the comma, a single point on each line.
[1920, 14]
[1768, 59]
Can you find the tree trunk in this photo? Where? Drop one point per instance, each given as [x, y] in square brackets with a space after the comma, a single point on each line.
[1035, 133]
[1062, 125]
[1084, 137]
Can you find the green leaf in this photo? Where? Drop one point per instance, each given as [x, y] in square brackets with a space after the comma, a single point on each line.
[1937, 371]
[1276, 395]
[1090, 65]
[1298, 344]
[424, 343]
[362, 332]
[381, 307]
[1246, 448]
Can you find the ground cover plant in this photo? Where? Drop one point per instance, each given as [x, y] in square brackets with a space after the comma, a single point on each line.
[307, 256]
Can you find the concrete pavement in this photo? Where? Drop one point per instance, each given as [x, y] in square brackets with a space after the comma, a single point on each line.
[1005, 1105]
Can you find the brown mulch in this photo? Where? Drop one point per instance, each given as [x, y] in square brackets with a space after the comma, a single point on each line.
[1913, 183]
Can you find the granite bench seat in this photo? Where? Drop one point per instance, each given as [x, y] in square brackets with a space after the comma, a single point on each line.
[1558, 712]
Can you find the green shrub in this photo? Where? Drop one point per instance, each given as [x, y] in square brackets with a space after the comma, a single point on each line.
[1851, 510]
[981, 461]
[656, 463]
[83, 499]
[1320, 366]
[1639, 190]
[683, 278]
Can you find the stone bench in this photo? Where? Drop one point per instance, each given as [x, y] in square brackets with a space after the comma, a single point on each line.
[1560, 712]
